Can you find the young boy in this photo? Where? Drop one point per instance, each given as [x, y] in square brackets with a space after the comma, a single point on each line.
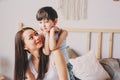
[47, 18]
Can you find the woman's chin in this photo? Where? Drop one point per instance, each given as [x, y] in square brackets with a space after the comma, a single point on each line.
[40, 45]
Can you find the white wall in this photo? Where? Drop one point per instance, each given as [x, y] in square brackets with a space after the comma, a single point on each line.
[101, 14]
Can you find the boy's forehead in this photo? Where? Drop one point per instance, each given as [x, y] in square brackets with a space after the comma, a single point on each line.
[45, 19]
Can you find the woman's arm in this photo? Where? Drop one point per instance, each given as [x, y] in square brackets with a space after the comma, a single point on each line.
[60, 64]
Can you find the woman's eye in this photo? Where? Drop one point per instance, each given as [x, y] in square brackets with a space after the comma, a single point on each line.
[31, 37]
[36, 34]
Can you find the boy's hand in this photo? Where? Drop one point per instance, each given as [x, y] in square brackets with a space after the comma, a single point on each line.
[55, 29]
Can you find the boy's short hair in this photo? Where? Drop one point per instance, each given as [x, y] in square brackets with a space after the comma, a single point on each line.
[46, 12]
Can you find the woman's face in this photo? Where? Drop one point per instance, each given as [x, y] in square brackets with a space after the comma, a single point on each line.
[32, 40]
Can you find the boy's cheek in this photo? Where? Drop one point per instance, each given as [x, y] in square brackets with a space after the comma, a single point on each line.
[41, 29]
[44, 30]
[47, 25]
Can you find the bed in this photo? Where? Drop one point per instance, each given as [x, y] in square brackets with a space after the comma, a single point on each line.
[92, 65]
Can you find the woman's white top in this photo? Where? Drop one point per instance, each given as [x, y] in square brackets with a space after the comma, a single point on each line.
[51, 74]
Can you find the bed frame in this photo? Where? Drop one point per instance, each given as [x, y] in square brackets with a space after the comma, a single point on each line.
[111, 33]
[100, 32]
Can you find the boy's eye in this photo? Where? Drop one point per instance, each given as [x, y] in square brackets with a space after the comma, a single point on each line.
[46, 21]
[40, 22]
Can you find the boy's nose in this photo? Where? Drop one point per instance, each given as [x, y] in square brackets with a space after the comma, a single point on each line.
[43, 25]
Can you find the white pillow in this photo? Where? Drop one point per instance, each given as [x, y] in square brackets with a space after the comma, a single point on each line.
[87, 67]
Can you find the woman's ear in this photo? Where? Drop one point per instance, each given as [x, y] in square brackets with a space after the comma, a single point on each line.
[25, 48]
[55, 21]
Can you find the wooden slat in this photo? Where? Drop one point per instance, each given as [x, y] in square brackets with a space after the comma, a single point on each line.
[99, 45]
[110, 45]
[91, 30]
[88, 41]
[20, 26]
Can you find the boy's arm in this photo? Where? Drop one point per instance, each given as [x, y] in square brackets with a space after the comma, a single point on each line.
[56, 43]
[46, 48]
[61, 38]
[52, 40]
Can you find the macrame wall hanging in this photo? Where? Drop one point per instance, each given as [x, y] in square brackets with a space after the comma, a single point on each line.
[73, 9]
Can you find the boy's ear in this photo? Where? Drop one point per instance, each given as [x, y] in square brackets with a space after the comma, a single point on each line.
[56, 20]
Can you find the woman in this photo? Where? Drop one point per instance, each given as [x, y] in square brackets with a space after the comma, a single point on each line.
[38, 66]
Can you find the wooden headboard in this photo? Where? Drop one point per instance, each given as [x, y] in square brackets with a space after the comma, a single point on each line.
[111, 33]
[100, 32]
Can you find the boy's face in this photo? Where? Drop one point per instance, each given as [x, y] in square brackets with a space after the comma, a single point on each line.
[46, 25]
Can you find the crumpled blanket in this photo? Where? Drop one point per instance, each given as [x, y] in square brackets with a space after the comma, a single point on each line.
[112, 66]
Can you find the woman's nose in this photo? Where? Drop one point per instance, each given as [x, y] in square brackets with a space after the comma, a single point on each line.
[41, 37]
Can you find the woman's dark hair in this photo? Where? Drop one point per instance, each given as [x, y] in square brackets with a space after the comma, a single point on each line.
[21, 58]
[46, 12]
